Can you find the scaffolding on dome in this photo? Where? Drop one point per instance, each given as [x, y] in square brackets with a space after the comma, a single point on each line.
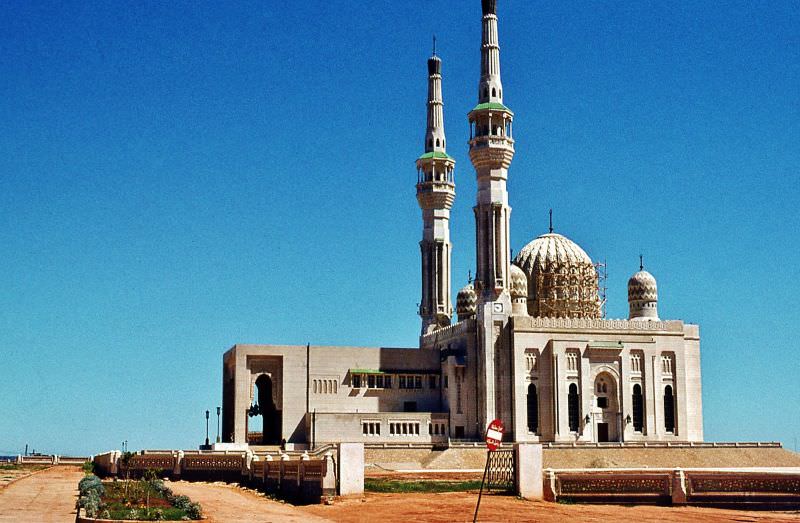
[602, 286]
[565, 290]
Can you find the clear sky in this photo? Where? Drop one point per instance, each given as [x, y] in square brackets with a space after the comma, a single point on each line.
[177, 177]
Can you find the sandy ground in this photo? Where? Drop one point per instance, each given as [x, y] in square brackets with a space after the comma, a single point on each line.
[9, 476]
[46, 497]
[224, 503]
[460, 506]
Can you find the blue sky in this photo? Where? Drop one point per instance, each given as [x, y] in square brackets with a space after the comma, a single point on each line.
[179, 177]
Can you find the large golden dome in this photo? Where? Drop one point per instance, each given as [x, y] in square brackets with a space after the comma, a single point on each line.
[562, 280]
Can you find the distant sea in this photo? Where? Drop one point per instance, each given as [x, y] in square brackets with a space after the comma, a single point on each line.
[7, 458]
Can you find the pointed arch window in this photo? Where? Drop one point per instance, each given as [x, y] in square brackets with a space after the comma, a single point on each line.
[573, 402]
[533, 409]
[638, 408]
[669, 409]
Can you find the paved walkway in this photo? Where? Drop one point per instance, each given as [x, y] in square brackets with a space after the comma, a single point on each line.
[224, 503]
[45, 497]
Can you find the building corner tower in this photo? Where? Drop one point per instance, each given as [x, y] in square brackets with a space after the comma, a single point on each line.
[435, 194]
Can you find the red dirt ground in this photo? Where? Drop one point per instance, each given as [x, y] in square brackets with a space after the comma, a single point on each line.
[460, 506]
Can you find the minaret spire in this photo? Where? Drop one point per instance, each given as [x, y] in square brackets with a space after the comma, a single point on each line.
[435, 194]
[491, 151]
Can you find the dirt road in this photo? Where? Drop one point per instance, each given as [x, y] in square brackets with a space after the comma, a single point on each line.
[460, 506]
[45, 497]
[224, 503]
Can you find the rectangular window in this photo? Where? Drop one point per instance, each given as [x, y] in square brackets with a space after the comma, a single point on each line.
[602, 402]
[417, 382]
[365, 429]
[402, 382]
[446, 381]
[379, 382]
[356, 381]
[432, 382]
[371, 381]
[387, 382]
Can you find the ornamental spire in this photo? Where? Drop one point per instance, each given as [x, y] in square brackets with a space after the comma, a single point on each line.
[490, 88]
[434, 135]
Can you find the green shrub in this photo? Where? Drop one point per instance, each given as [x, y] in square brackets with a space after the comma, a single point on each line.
[91, 483]
[88, 467]
[181, 502]
[90, 502]
[194, 511]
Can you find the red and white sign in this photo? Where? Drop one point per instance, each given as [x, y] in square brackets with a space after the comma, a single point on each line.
[494, 434]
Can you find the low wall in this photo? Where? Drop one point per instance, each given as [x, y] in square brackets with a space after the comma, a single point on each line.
[53, 459]
[305, 479]
[758, 488]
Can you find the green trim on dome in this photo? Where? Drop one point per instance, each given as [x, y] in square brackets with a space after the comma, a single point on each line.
[435, 155]
[492, 105]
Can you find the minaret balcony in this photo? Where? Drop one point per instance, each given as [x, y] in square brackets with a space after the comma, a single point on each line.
[491, 151]
[436, 195]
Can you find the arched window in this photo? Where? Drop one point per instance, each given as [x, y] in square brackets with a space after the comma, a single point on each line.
[494, 92]
[669, 409]
[573, 401]
[430, 142]
[437, 142]
[638, 408]
[533, 409]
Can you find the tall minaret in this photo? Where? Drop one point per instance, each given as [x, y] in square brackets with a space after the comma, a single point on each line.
[435, 194]
[491, 149]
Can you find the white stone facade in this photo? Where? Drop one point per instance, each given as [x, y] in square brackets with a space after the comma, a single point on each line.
[529, 346]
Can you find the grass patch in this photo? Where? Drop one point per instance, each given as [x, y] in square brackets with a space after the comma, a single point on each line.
[391, 486]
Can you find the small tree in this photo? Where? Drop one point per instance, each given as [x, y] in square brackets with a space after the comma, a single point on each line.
[150, 479]
[125, 459]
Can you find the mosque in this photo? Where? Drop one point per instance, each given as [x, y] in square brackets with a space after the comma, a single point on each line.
[529, 345]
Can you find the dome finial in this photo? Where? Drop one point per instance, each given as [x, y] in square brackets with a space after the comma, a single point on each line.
[551, 221]
[469, 276]
[434, 45]
[641, 262]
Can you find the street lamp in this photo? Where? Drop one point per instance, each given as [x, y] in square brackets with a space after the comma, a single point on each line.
[207, 428]
[219, 410]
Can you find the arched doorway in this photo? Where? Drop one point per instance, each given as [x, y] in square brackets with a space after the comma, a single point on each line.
[606, 411]
[270, 415]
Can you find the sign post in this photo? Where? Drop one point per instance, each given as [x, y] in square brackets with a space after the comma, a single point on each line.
[494, 436]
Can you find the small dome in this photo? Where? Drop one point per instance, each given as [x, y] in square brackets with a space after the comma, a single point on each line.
[562, 280]
[642, 287]
[519, 283]
[466, 302]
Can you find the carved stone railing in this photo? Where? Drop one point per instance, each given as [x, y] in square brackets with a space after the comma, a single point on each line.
[735, 487]
[752, 487]
[448, 333]
[524, 322]
[300, 481]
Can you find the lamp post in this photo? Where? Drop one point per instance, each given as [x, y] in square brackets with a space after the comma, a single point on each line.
[207, 413]
[219, 410]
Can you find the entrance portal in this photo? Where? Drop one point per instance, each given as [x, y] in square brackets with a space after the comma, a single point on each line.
[602, 432]
[606, 409]
[270, 415]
